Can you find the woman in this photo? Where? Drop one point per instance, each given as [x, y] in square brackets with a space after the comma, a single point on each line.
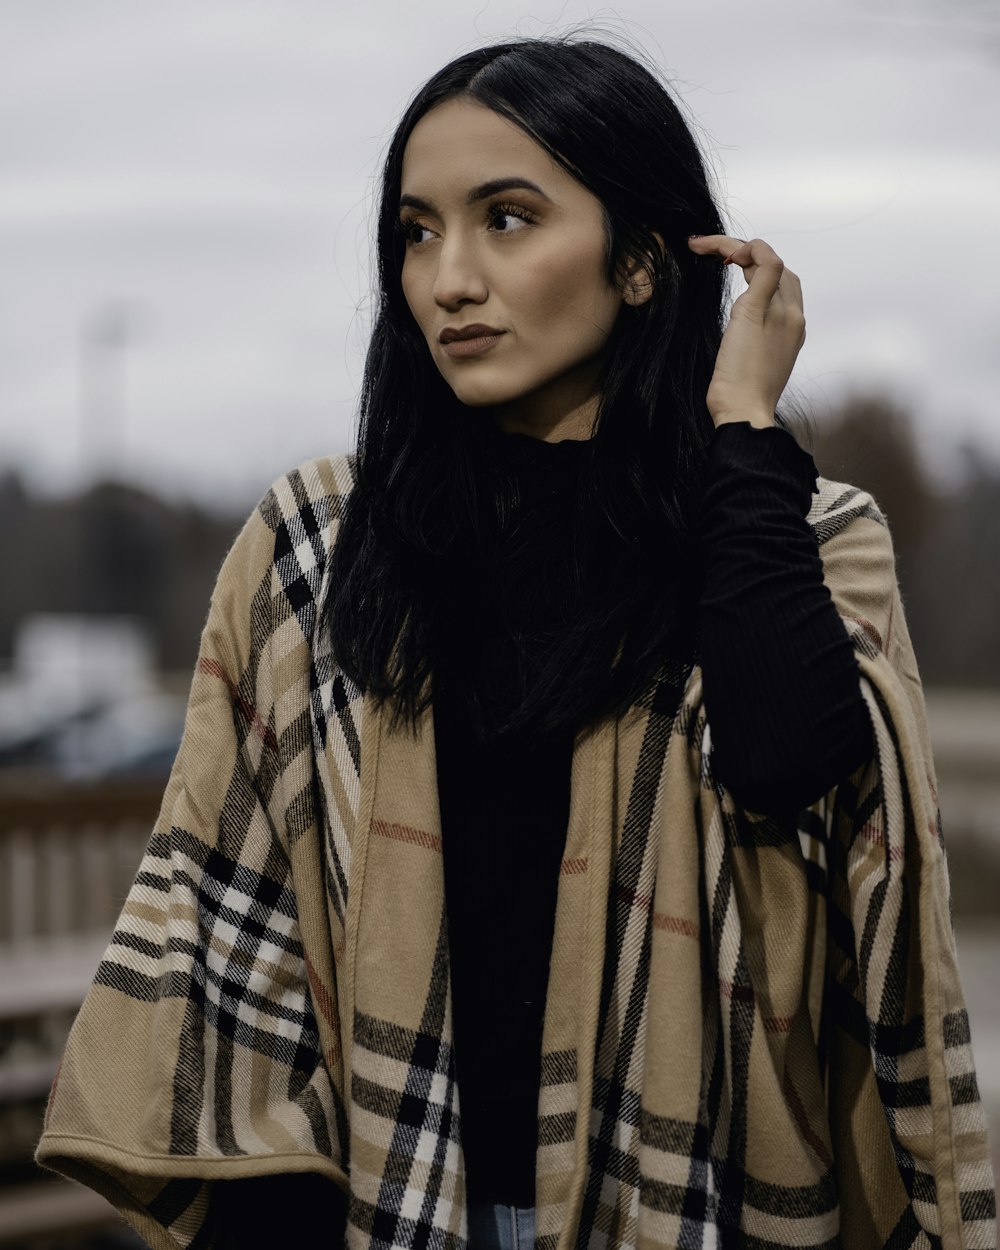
[553, 858]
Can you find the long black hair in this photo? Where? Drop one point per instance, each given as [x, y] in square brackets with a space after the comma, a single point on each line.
[413, 516]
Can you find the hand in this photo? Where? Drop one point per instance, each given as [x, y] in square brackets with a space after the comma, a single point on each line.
[766, 330]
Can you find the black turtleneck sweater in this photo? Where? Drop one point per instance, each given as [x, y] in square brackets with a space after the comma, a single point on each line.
[781, 693]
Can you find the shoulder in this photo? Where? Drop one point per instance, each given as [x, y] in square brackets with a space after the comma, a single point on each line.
[308, 500]
[859, 562]
[302, 506]
[846, 518]
[837, 505]
[280, 553]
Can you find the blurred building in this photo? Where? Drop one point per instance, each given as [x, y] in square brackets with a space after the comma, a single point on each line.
[82, 701]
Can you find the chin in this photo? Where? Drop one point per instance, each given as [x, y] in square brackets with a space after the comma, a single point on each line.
[482, 395]
[480, 401]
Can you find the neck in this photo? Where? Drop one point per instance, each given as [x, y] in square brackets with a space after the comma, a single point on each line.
[566, 409]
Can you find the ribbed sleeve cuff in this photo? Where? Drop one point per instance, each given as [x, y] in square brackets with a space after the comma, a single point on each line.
[770, 450]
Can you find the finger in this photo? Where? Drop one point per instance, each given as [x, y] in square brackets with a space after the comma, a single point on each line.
[714, 244]
[762, 267]
[730, 248]
[723, 245]
[750, 255]
[787, 304]
[789, 290]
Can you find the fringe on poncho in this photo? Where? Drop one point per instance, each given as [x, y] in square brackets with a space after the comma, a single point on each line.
[755, 1033]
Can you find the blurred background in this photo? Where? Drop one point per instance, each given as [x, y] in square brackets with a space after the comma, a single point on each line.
[185, 192]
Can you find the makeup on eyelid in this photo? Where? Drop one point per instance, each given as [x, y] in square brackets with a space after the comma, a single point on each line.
[405, 225]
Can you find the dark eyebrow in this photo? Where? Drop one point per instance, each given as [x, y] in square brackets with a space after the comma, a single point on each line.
[482, 192]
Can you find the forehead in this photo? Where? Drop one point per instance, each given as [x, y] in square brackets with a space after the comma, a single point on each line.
[463, 143]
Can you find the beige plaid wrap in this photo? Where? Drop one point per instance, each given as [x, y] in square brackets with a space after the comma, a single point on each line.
[754, 1035]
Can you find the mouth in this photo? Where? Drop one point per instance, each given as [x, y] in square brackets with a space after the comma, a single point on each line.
[473, 346]
[470, 340]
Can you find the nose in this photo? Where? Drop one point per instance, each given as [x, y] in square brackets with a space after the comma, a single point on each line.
[459, 279]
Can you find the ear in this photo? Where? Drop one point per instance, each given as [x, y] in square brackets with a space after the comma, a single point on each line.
[638, 286]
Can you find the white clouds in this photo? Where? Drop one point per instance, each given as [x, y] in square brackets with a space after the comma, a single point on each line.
[215, 164]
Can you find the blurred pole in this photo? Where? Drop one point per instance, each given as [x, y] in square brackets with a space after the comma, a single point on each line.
[103, 421]
[104, 336]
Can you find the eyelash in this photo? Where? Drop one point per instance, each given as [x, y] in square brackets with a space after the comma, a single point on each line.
[405, 224]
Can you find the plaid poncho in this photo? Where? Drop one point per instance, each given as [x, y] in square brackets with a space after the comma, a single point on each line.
[754, 1034]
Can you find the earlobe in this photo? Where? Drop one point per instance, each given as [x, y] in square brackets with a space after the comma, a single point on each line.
[638, 286]
[639, 282]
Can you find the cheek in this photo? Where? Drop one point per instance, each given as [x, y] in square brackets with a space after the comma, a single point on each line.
[411, 286]
[570, 286]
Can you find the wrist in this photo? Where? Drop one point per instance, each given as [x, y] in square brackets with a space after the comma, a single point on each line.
[759, 420]
[738, 453]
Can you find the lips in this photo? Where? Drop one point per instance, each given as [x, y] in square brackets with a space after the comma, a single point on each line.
[464, 341]
[455, 334]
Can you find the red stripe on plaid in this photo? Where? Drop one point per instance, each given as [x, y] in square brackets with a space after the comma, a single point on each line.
[802, 1120]
[892, 614]
[671, 924]
[870, 630]
[214, 669]
[676, 924]
[572, 866]
[872, 834]
[324, 1001]
[634, 897]
[406, 833]
[777, 1024]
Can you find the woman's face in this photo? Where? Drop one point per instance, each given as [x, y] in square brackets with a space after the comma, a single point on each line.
[499, 235]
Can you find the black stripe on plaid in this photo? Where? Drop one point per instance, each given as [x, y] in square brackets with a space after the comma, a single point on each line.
[375, 1223]
[891, 1029]
[617, 1105]
[411, 1112]
[955, 1029]
[979, 1204]
[231, 893]
[745, 1241]
[813, 838]
[557, 1128]
[908, 1234]
[299, 548]
[334, 700]
[895, 1031]
[262, 765]
[772, 830]
[793, 1202]
[331, 691]
[174, 1199]
[335, 874]
[837, 514]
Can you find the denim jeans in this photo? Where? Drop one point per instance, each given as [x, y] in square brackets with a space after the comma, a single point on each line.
[496, 1226]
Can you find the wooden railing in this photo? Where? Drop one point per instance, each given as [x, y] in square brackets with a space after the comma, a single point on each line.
[67, 859]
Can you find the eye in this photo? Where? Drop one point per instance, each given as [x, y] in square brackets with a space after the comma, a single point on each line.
[406, 227]
[498, 212]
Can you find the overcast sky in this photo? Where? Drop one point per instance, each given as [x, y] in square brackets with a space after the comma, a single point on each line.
[207, 168]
